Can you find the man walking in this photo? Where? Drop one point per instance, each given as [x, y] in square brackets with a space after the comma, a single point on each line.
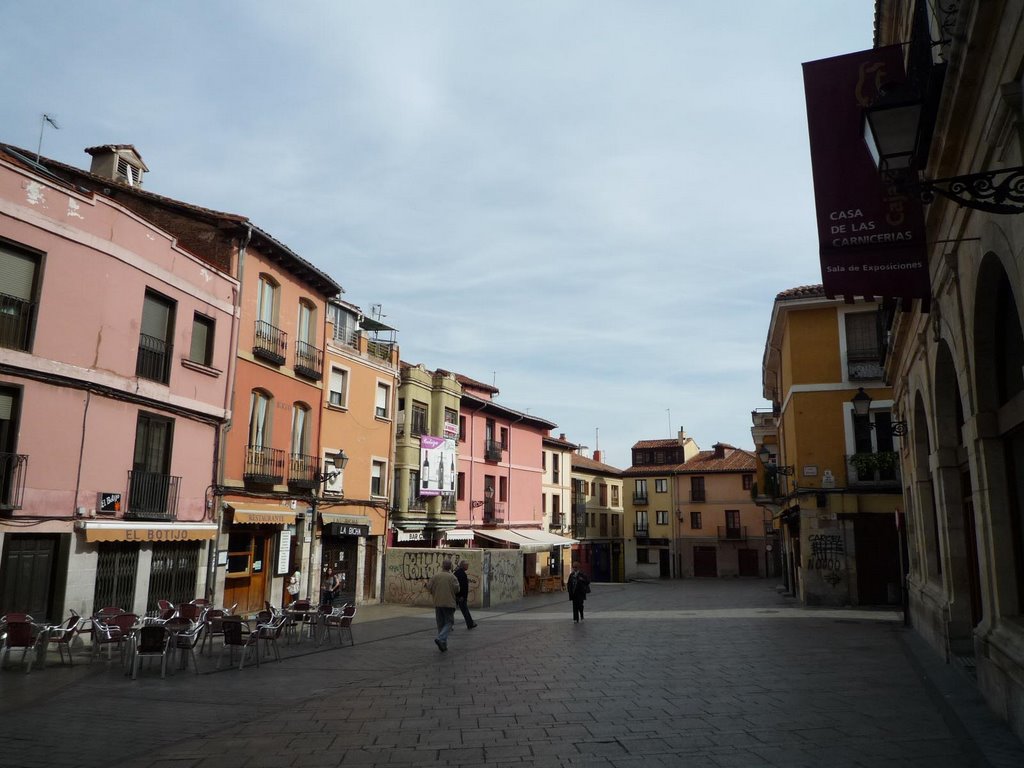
[463, 596]
[444, 588]
[578, 586]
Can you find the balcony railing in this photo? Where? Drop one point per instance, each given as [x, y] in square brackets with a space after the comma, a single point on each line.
[418, 503]
[556, 522]
[264, 465]
[154, 359]
[13, 467]
[270, 343]
[730, 533]
[492, 450]
[698, 496]
[349, 337]
[493, 512]
[864, 365]
[152, 496]
[380, 349]
[640, 499]
[874, 469]
[641, 531]
[448, 502]
[302, 470]
[15, 322]
[309, 361]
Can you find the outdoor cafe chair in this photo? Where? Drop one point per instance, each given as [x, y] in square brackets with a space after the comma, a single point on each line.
[188, 611]
[202, 602]
[165, 609]
[340, 621]
[62, 635]
[111, 630]
[214, 623]
[270, 633]
[238, 635]
[152, 641]
[20, 635]
[185, 642]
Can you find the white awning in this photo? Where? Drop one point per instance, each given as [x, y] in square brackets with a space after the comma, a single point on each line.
[512, 537]
[551, 539]
[456, 534]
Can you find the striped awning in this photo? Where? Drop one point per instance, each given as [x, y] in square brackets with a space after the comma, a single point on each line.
[122, 530]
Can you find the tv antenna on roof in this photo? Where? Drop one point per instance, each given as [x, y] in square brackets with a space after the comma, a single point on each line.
[42, 124]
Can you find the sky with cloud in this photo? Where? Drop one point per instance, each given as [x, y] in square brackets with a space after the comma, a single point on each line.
[590, 204]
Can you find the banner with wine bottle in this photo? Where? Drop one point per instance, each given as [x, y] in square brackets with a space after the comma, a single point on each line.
[437, 466]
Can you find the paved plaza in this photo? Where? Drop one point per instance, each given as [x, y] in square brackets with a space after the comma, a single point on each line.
[687, 673]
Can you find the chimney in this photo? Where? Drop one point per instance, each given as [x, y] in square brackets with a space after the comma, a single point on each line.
[562, 436]
[118, 162]
[597, 455]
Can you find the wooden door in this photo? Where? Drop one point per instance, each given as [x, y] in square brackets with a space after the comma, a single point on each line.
[749, 562]
[705, 561]
[246, 577]
[27, 574]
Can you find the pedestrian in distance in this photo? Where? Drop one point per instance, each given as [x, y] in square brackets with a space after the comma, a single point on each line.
[578, 586]
[463, 596]
[444, 589]
[329, 587]
[294, 585]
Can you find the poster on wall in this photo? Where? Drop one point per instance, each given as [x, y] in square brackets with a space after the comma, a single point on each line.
[871, 233]
[437, 466]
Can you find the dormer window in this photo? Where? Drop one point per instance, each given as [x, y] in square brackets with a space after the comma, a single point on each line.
[128, 173]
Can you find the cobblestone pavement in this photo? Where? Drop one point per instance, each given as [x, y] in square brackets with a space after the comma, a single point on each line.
[694, 673]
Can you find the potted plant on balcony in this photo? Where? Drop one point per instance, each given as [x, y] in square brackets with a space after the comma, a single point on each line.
[865, 464]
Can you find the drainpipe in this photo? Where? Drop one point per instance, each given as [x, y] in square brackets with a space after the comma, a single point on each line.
[217, 512]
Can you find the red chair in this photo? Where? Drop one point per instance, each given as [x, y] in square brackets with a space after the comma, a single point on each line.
[113, 631]
[152, 642]
[21, 636]
[165, 609]
[238, 635]
[188, 611]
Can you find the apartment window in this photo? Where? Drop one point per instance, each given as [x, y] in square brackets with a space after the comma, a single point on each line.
[266, 301]
[378, 471]
[462, 486]
[643, 556]
[661, 485]
[337, 392]
[300, 429]
[640, 492]
[662, 517]
[154, 357]
[419, 418]
[151, 490]
[344, 325]
[697, 489]
[544, 461]
[863, 350]
[305, 326]
[555, 469]
[615, 495]
[382, 404]
[603, 495]
[502, 488]
[17, 297]
[556, 509]
[462, 429]
[732, 520]
[259, 419]
[504, 438]
[748, 482]
[695, 520]
[201, 349]
[641, 522]
[451, 421]
[659, 457]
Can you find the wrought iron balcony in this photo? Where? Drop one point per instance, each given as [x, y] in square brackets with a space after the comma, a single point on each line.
[641, 531]
[152, 496]
[270, 343]
[881, 469]
[16, 322]
[492, 450]
[309, 361]
[494, 513]
[264, 465]
[303, 470]
[13, 467]
[640, 499]
[698, 496]
[154, 359]
[728, 533]
[418, 503]
[448, 502]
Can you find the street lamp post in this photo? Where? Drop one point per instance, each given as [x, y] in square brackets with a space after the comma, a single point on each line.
[338, 462]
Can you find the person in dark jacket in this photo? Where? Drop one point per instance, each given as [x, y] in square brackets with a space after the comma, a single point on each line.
[578, 586]
[463, 596]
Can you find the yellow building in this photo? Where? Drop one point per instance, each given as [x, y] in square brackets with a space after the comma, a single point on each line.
[721, 528]
[832, 475]
[356, 442]
[556, 497]
[598, 517]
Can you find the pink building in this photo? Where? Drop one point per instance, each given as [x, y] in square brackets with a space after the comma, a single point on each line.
[115, 350]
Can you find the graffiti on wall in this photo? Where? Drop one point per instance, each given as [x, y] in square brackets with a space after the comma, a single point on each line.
[407, 570]
[827, 556]
[506, 576]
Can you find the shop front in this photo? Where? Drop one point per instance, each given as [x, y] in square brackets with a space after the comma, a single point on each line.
[255, 551]
[348, 548]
